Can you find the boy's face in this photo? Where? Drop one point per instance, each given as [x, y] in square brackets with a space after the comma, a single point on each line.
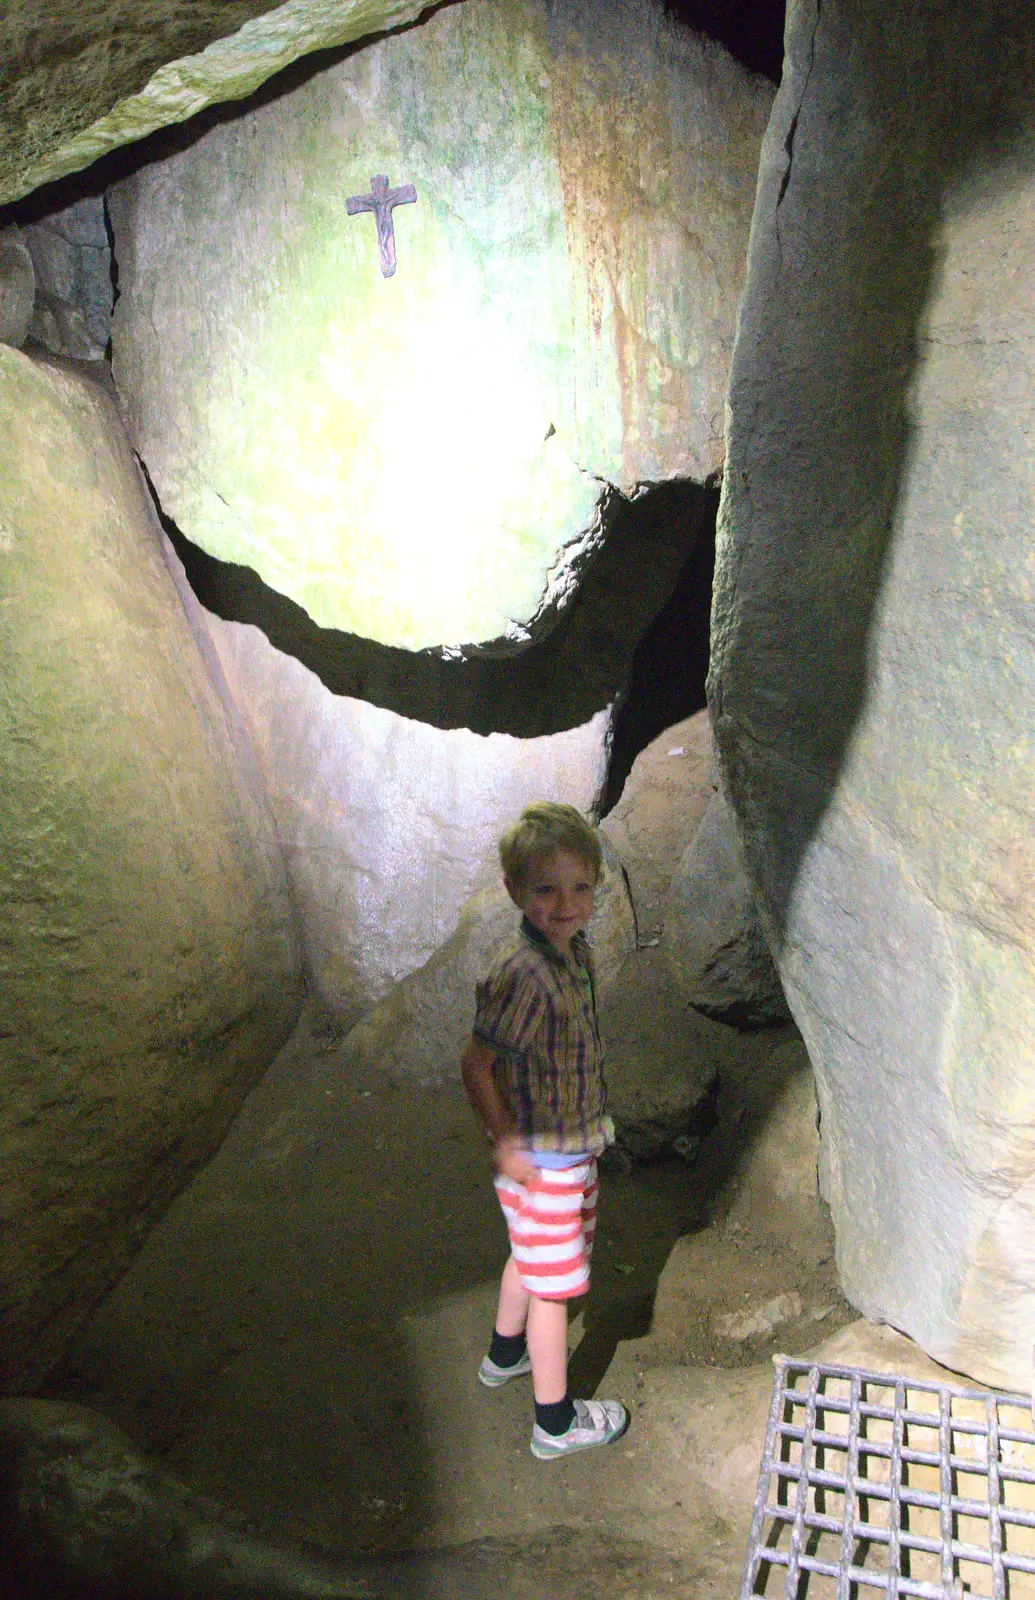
[556, 895]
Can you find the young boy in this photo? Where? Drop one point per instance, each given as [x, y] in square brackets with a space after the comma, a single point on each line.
[533, 1075]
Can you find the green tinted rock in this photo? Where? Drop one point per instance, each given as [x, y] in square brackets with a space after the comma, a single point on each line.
[418, 459]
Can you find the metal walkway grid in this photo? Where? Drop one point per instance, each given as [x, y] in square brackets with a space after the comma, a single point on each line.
[875, 1482]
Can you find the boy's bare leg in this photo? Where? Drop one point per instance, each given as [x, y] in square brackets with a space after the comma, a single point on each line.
[512, 1311]
[547, 1337]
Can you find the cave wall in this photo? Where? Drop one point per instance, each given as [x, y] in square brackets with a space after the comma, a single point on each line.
[387, 825]
[872, 664]
[149, 958]
[353, 466]
[873, 660]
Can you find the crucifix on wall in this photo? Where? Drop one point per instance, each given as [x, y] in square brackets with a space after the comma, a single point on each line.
[380, 201]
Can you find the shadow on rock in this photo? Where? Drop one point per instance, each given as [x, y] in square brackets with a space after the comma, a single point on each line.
[635, 1238]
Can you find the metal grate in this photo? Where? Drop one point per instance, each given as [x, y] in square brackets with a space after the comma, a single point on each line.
[872, 1481]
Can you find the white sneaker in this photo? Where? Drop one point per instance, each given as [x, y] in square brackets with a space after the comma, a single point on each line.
[596, 1422]
[493, 1375]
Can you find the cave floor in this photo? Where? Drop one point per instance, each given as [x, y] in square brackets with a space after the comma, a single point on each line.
[299, 1337]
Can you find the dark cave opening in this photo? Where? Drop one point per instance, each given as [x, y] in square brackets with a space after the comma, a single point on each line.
[670, 663]
[751, 30]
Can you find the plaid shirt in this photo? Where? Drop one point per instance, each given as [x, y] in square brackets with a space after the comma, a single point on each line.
[537, 1009]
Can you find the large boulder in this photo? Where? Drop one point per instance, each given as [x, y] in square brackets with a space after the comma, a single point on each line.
[148, 959]
[661, 1064]
[658, 812]
[715, 945]
[873, 667]
[419, 458]
[387, 825]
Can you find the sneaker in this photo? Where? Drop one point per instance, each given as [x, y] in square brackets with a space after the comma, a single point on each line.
[596, 1422]
[492, 1375]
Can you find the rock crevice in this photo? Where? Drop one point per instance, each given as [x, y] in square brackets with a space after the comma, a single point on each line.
[527, 692]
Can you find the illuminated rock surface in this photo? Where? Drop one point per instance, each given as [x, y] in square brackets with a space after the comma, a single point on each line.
[417, 459]
[148, 960]
[874, 645]
[387, 825]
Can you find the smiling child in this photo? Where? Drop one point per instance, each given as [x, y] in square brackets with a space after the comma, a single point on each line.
[533, 1072]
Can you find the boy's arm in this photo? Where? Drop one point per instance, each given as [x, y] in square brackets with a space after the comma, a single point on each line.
[508, 1150]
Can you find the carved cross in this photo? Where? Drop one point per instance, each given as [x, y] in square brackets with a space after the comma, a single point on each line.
[380, 202]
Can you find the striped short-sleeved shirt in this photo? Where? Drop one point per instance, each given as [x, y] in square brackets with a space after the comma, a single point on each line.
[537, 1009]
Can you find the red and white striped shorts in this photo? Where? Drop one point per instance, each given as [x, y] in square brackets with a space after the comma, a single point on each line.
[551, 1222]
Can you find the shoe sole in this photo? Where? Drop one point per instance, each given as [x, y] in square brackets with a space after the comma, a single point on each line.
[544, 1453]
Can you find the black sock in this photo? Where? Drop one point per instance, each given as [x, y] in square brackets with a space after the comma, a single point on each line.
[556, 1417]
[506, 1349]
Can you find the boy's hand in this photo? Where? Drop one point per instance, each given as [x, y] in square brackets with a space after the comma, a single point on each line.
[510, 1158]
[509, 1152]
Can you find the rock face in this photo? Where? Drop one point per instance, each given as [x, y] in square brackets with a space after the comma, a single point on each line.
[661, 1073]
[874, 646]
[665, 796]
[662, 1066]
[72, 260]
[387, 825]
[418, 458]
[675, 838]
[70, 97]
[419, 1030]
[148, 956]
[17, 288]
[717, 953]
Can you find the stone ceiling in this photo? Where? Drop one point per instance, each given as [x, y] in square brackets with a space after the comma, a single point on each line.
[79, 79]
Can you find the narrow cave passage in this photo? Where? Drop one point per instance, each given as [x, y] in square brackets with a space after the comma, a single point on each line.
[751, 30]
[299, 1337]
[670, 663]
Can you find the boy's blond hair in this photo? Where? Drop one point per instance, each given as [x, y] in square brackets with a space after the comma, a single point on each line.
[543, 826]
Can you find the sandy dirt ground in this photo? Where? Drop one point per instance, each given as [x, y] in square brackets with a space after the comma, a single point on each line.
[299, 1337]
